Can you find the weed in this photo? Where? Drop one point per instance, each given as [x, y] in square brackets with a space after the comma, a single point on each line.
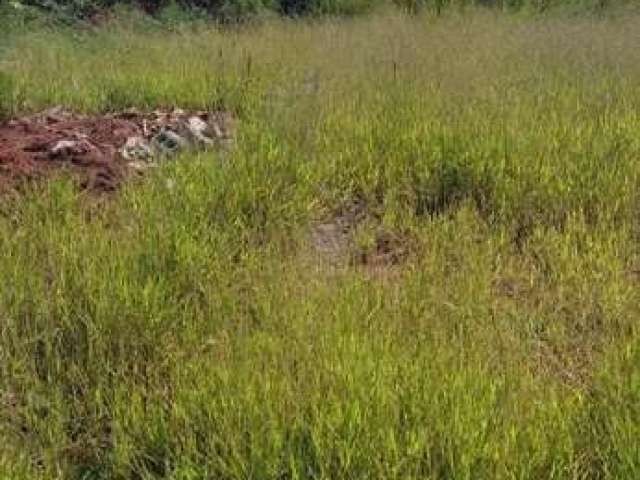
[178, 329]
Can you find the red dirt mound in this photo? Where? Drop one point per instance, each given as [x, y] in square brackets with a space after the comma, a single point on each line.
[41, 144]
[90, 147]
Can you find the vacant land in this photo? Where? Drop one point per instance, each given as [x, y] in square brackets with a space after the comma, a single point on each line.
[419, 260]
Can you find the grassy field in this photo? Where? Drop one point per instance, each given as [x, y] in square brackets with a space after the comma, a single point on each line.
[480, 322]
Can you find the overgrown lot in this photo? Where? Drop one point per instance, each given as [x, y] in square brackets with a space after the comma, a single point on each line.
[419, 260]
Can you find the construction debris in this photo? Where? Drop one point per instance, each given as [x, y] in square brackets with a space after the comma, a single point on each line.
[103, 149]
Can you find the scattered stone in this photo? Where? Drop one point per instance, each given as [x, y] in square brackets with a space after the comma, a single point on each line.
[168, 143]
[64, 148]
[137, 149]
[200, 131]
[102, 148]
[80, 151]
[168, 134]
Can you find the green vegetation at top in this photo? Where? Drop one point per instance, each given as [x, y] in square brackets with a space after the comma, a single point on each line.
[233, 10]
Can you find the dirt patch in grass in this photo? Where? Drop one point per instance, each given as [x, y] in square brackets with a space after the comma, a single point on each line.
[102, 150]
[385, 250]
[353, 237]
[332, 239]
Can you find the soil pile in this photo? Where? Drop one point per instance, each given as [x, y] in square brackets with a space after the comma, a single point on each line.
[103, 150]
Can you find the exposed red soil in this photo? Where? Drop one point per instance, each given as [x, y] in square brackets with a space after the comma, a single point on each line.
[87, 146]
[28, 148]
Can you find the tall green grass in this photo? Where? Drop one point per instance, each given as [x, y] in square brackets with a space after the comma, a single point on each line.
[185, 328]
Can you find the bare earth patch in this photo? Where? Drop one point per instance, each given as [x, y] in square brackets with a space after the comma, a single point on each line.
[335, 242]
[102, 150]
